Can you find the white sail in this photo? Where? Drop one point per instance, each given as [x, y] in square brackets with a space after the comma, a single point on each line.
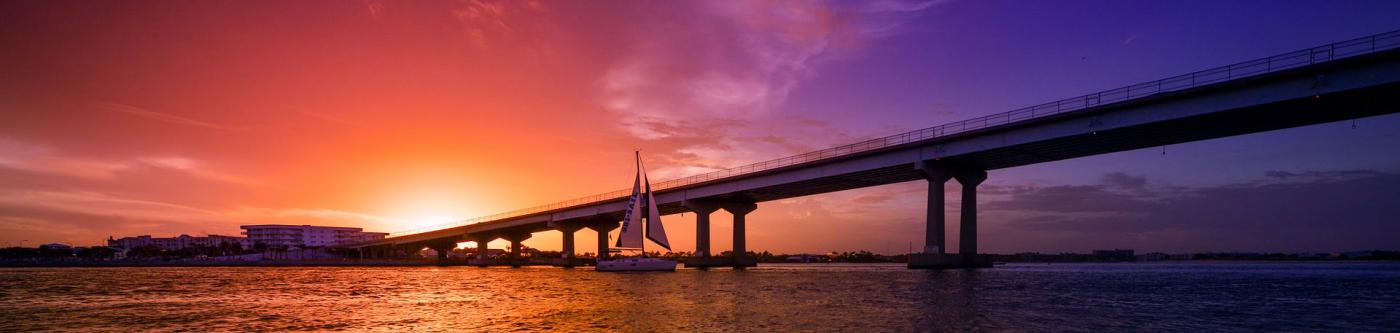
[631, 235]
[655, 231]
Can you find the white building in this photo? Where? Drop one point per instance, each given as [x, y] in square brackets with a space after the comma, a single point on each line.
[307, 236]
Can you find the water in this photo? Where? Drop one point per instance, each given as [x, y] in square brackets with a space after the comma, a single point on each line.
[1341, 297]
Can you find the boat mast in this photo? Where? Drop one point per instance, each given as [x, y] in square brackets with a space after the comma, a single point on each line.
[641, 226]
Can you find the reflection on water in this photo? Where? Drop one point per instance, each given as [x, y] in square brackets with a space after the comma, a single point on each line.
[1343, 297]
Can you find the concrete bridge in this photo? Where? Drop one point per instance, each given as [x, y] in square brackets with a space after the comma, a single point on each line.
[1344, 80]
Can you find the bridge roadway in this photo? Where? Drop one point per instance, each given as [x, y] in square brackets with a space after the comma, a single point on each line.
[1345, 80]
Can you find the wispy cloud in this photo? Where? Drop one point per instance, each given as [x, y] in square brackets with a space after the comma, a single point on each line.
[158, 116]
[301, 215]
[698, 83]
[488, 23]
[374, 8]
[194, 168]
[42, 159]
[79, 216]
[1129, 210]
[106, 208]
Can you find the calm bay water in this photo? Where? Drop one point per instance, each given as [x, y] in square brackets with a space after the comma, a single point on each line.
[1341, 297]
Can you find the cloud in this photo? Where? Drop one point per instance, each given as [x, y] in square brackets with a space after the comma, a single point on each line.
[178, 163]
[85, 217]
[45, 160]
[491, 23]
[99, 211]
[306, 216]
[194, 168]
[1330, 211]
[696, 84]
[1309, 175]
[374, 8]
[1124, 181]
[1130, 39]
[157, 116]
[872, 199]
[42, 159]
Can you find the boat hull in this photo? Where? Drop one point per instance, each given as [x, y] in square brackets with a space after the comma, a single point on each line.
[636, 265]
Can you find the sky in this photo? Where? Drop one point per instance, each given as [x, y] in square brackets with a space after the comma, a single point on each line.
[194, 117]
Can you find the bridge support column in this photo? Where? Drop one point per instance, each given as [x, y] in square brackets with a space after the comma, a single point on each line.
[739, 210]
[603, 229]
[515, 245]
[967, 238]
[443, 249]
[567, 255]
[482, 251]
[935, 217]
[934, 254]
[702, 210]
[703, 258]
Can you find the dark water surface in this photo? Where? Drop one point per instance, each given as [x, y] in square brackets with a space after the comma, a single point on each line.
[1266, 297]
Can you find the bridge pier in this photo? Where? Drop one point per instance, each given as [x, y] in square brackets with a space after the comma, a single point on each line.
[702, 210]
[482, 251]
[934, 255]
[443, 249]
[935, 224]
[515, 245]
[567, 255]
[739, 256]
[967, 236]
[603, 229]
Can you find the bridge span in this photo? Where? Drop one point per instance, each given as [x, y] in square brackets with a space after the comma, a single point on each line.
[1339, 81]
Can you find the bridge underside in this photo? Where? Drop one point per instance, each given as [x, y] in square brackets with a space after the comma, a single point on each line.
[1374, 101]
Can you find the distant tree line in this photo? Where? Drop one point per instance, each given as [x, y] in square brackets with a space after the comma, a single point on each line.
[152, 252]
[46, 253]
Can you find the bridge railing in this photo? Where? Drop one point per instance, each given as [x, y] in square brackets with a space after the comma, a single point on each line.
[1285, 61]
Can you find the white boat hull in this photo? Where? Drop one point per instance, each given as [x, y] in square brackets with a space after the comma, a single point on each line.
[636, 265]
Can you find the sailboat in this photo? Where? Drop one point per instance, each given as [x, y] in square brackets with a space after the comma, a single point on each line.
[641, 203]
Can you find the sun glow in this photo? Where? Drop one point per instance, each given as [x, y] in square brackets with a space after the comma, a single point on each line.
[430, 220]
[428, 210]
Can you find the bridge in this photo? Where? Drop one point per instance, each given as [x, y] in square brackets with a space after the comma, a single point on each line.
[1339, 81]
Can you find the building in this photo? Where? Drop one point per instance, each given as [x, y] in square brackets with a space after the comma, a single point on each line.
[1154, 256]
[804, 258]
[1114, 255]
[1358, 254]
[307, 236]
[57, 246]
[175, 243]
